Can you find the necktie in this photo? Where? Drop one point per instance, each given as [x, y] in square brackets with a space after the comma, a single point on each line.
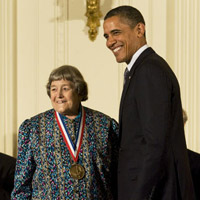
[126, 74]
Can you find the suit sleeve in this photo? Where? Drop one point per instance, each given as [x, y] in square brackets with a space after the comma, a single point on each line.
[154, 103]
[7, 169]
[114, 140]
[25, 165]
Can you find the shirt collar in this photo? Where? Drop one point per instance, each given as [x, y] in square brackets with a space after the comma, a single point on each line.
[136, 55]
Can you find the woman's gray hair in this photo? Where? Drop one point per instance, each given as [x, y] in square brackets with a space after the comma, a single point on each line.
[69, 73]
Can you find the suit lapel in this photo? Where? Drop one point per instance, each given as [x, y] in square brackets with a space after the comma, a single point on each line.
[137, 63]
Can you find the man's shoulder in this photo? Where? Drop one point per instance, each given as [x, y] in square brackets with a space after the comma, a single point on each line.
[193, 156]
[7, 159]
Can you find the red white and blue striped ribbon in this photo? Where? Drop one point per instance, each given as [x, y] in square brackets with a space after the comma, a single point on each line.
[74, 149]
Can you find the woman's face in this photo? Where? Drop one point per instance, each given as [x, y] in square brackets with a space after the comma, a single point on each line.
[64, 99]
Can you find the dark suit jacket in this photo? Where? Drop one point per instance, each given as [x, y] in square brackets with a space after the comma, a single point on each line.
[153, 161]
[7, 170]
[194, 159]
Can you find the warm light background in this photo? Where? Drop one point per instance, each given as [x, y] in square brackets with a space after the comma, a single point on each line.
[38, 35]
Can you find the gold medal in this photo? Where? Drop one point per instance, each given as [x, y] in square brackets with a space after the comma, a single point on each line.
[77, 171]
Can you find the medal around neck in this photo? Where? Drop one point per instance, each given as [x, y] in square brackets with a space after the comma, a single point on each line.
[77, 171]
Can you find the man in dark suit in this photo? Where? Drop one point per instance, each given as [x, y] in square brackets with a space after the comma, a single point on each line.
[194, 160]
[7, 170]
[153, 160]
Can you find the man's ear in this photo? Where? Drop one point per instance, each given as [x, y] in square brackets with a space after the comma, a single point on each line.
[141, 29]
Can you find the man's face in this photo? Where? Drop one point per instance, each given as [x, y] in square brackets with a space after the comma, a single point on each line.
[121, 39]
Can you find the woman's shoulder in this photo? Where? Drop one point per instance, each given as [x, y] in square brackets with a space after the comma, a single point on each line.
[90, 111]
[46, 113]
[35, 119]
[98, 114]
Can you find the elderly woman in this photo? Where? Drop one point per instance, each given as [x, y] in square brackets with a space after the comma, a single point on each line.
[70, 151]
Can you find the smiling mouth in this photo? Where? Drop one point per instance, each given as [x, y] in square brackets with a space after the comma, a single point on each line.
[60, 102]
[116, 49]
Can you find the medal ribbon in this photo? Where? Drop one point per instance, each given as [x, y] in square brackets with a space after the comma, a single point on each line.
[73, 149]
